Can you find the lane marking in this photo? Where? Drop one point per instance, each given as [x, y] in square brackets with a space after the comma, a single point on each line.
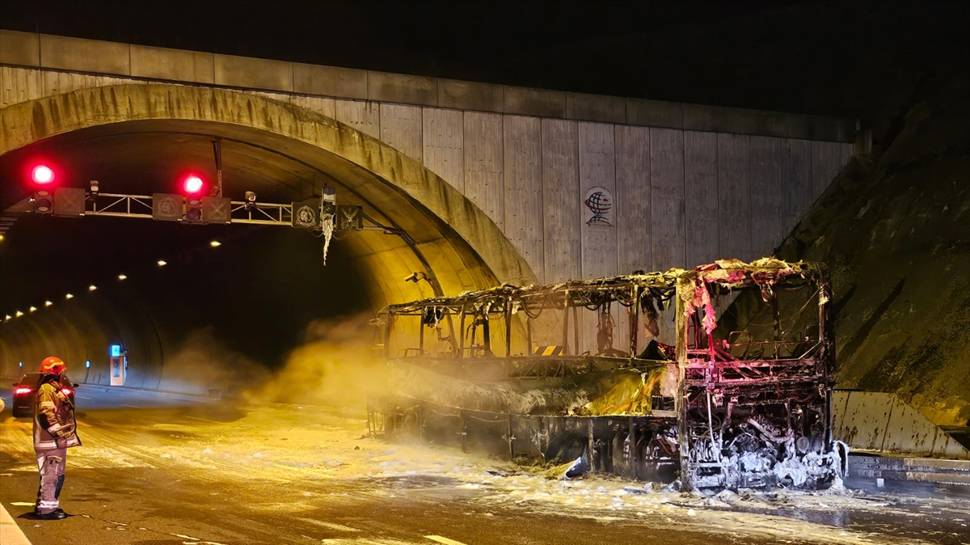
[10, 533]
[443, 540]
[329, 525]
[21, 504]
[195, 540]
[364, 541]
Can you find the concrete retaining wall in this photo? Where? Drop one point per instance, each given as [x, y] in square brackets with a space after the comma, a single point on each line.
[881, 422]
[78, 55]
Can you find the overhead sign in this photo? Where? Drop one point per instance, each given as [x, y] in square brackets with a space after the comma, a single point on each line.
[167, 207]
[350, 218]
[216, 210]
[69, 201]
[306, 214]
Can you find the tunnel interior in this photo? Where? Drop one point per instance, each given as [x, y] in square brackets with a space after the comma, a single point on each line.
[235, 307]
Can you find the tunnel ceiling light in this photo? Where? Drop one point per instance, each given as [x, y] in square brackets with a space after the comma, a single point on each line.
[215, 243]
[122, 277]
[32, 308]
[69, 296]
[161, 262]
[92, 287]
[48, 303]
[42, 174]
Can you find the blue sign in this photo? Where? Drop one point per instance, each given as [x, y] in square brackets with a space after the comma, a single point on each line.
[116, 351]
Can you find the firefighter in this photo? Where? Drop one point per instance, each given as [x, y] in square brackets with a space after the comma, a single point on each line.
[55, 431]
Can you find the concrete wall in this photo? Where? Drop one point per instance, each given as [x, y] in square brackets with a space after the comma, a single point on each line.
[161, 64]
[690, 183]
[881, 422]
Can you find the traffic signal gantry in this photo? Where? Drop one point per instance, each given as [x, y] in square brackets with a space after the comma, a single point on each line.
[194, 205]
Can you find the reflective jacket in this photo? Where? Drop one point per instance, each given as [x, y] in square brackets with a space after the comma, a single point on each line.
[55, 425]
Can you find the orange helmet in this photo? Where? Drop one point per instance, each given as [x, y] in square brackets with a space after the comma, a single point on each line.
[52, 365]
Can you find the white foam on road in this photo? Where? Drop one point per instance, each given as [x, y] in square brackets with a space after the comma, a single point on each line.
[332, 448]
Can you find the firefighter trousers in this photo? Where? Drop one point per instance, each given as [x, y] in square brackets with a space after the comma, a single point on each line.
[51, 464]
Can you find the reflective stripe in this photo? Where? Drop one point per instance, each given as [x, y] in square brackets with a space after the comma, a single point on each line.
[53, 428]
[48, 504]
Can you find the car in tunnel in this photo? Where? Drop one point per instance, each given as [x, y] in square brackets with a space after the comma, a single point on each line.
[25, 390]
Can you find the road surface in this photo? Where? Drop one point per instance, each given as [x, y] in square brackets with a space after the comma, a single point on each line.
[162, 469]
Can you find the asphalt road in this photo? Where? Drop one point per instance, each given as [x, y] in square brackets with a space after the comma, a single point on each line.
[163, 469]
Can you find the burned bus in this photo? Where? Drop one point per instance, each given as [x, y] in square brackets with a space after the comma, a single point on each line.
[739, 397]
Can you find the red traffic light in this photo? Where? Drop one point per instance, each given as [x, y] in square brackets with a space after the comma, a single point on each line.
[192, 185]
[42, 174]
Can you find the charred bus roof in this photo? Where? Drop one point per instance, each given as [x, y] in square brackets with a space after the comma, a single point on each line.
[726, 273]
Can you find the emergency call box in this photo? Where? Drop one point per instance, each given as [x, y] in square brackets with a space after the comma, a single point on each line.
[117, 365]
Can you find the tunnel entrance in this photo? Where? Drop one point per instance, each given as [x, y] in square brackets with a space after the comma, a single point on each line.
[257, 291]
[227, 297]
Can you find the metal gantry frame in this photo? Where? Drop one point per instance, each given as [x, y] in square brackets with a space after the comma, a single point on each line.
[122, 205]
[135, 206]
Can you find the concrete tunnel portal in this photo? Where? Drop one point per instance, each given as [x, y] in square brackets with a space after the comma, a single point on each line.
[249, 300]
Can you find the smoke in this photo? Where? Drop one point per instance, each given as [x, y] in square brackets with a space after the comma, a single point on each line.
[337, 365]
[202, 363]
[340, 365]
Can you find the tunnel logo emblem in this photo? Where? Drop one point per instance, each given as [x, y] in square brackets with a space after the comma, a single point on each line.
[305, 214]
[166, 207]
[599, 207]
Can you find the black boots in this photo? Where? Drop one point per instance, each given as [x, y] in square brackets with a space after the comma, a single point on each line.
[57, 514]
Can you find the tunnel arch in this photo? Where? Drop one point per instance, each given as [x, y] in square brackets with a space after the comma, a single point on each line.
[451, 238]
[463, 247]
